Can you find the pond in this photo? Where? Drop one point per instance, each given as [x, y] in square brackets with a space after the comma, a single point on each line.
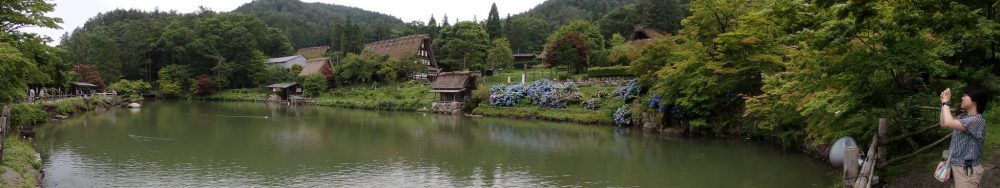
[211, 144]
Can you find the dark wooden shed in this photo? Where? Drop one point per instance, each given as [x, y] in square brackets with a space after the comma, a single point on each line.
[454, 86]
[284, 91]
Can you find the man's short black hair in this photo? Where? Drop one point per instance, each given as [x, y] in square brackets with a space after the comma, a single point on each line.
[980, 96]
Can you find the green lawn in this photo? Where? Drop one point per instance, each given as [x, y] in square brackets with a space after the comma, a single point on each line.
[406, 96]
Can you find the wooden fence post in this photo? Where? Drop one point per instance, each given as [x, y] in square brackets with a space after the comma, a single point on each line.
[850, 165]
[883, 149]
[4, 117]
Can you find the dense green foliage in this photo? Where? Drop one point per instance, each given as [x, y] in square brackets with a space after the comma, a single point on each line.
[575, 45]
[131, 44]
[500, 55]
[527, 34]
[174, 81]
[131, 89]
[24, 59]
[313, 85]
[310, 24]
[346, 38]
[815, 72]
[595, 72]
[462, 47]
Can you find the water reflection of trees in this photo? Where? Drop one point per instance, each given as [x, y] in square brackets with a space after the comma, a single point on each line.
[312, 141]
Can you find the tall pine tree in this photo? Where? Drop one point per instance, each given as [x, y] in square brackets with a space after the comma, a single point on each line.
[493, 27]
[347, 38]
[432, 27]
[446, 24]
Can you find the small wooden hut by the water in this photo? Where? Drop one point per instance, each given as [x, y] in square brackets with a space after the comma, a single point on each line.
[453, 88]
[284, 91]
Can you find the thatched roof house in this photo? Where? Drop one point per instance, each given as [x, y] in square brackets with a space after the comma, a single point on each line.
[315, 66]
[642, 35]
[420, 45]
[314, 52]
[454, 86]
[288, 61]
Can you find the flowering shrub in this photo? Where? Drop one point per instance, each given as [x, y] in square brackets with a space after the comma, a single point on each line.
[622, 116]
[542, 92]
[551, 100]
[654, 102]
[591, 104]
[502, 96]
[628, 91]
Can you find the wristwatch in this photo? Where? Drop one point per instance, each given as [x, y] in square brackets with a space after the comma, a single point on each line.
[944, 104]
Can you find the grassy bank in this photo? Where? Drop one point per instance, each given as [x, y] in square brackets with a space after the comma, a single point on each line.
[20, 159]
[406, 96]
[255, 94]
[533, 112]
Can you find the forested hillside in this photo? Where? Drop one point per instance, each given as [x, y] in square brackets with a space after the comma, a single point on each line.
[311, 24]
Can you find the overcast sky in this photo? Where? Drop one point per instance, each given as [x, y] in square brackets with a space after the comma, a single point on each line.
[75, 12]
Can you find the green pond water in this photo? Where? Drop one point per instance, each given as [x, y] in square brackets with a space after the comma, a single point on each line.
[242, 144]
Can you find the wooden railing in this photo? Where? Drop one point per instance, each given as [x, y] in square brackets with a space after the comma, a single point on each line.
[877, 156]
[853, 177]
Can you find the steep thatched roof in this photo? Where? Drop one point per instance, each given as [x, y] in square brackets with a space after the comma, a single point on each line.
[283, 85]
[398, 47]
[314, 66]
[642, 35]
[314, 52]
[642, 32]
[453, 82]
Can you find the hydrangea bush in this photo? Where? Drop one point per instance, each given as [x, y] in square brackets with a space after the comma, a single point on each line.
[591, 104]
[622, 116]
[544, 93]
[629, 91]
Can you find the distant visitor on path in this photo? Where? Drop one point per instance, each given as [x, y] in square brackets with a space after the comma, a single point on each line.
[968, 135]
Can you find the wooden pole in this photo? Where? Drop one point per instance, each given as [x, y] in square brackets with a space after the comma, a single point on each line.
[850, 166]
[883, 149]
[864, 177]
[4, 116]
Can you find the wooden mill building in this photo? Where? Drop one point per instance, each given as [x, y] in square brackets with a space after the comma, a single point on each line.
[453, 88]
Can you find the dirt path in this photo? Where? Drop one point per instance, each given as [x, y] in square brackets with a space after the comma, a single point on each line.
[923, 178]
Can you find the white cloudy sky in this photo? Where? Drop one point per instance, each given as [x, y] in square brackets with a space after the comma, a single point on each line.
[75, 12]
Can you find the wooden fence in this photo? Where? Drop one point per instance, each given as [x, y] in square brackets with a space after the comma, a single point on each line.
[877, 156]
